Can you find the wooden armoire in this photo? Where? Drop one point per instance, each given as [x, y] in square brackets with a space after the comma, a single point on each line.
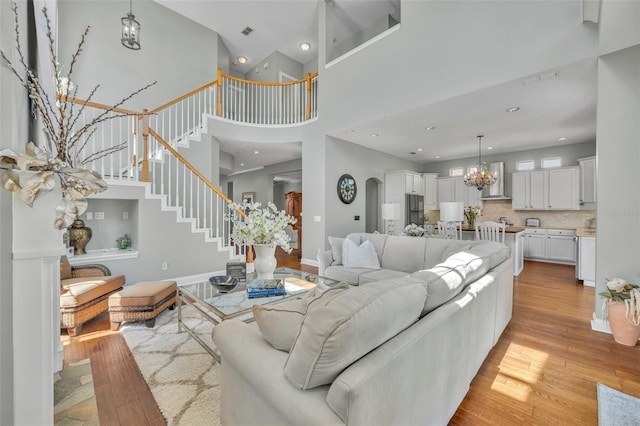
[293, 207]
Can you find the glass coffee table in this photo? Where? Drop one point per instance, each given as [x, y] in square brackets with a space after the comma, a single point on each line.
[216, 306]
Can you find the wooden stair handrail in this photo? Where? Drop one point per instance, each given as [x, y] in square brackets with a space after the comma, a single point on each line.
[195, 171]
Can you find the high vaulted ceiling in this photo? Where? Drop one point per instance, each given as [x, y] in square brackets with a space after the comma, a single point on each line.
[557, 103]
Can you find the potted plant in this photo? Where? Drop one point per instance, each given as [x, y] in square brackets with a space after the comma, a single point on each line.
[622, 310]
[123, 242]
[264, 229]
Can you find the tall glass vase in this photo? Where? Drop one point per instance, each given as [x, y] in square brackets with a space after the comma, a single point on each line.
[265, 261]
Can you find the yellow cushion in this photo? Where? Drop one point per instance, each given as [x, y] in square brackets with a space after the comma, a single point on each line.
[146, 293]
[83, 290]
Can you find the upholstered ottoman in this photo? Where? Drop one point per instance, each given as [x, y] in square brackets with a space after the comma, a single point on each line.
[141, 301]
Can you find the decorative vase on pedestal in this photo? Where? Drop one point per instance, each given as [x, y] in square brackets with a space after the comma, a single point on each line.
[624, 332]
[79, 236]
[265, 261]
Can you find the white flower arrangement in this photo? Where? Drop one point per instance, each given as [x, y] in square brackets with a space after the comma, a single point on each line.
[413, 230]
[262, 225]
[470, 214]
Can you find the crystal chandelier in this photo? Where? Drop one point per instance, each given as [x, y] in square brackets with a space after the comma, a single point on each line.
[481, 177]
[130, 30]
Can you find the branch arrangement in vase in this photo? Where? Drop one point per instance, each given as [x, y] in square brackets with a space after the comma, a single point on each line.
[35, 171]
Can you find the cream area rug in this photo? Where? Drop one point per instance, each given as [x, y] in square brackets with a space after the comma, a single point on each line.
[184, 379]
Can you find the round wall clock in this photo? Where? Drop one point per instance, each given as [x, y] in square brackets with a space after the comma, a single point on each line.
[347, 189]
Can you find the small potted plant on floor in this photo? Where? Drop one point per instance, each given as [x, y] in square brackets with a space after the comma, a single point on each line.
[622, 310]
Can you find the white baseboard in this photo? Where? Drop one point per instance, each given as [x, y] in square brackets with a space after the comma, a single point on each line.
[309, 262]
[600, 325]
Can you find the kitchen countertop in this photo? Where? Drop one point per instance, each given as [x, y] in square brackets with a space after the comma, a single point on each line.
[585, 232]
[508, 230]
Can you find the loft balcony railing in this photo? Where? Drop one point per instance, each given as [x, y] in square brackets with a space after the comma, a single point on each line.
[153, 136]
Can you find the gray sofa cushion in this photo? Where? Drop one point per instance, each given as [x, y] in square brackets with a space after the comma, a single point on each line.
[336, 334]
[436, 248]
[279, 323]
[336, 249]
[403, 254]
[382, 274]
[447, 279]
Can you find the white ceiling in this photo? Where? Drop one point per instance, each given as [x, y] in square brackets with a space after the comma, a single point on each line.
[556, 103]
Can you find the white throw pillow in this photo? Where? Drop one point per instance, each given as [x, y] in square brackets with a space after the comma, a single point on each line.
[359, 256]
[279, 323]
[336, 250]
[335, 333]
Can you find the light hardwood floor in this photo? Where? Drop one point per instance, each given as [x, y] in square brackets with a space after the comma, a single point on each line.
[543, 371]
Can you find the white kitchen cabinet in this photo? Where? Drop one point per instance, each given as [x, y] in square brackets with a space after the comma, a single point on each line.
[430, 191]
[534, 243]
[555, 189]
[414, 183]
[587, 260]
[454, 189]
[529, 190]
[564, 188]
[551, 245]
[561, 245]
[588, 179]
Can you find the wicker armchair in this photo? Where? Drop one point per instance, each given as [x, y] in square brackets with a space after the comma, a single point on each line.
[84, 293]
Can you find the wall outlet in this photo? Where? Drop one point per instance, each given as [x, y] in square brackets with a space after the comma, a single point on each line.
[125, 215]
[99, 215]
[165, 265]
[356, 218]
[89, 215]
[317, 219]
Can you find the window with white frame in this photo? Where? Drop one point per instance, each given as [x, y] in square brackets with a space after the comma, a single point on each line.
[523, 165]
[456, 171]
[551, 162]
[472, 169]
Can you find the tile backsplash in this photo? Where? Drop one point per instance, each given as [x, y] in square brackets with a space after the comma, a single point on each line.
[495, 209]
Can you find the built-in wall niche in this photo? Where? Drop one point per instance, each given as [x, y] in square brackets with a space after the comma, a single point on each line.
[110, 219]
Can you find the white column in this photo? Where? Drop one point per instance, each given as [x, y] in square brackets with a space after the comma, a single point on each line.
[37, 352]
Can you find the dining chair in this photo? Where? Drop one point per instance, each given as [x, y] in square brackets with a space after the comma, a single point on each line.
[491, 231]
[451, 230]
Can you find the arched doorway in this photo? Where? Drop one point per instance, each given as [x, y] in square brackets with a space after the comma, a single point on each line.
[373, 203]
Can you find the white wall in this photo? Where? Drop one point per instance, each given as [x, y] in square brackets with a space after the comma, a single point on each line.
[178, 53]
[259, 181]
[451, 48]
[361, 163]
[160, 238]
[618, 133]
[619, 25]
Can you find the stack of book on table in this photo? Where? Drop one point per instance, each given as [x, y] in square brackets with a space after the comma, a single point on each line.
[263, 287]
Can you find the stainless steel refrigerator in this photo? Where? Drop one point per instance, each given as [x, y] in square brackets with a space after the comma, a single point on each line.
[414, 209]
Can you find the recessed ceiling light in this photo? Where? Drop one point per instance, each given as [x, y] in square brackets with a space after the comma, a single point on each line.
[563, 138]
[374, 135]
[241, 164]
[489, 147]
[242, 60]
[436, 157]
[419, 150]
[305, 46]
[513, 109]
[430, 128]
[256, 152]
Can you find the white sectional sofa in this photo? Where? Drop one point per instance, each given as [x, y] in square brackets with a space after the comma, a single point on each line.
[400, 350]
